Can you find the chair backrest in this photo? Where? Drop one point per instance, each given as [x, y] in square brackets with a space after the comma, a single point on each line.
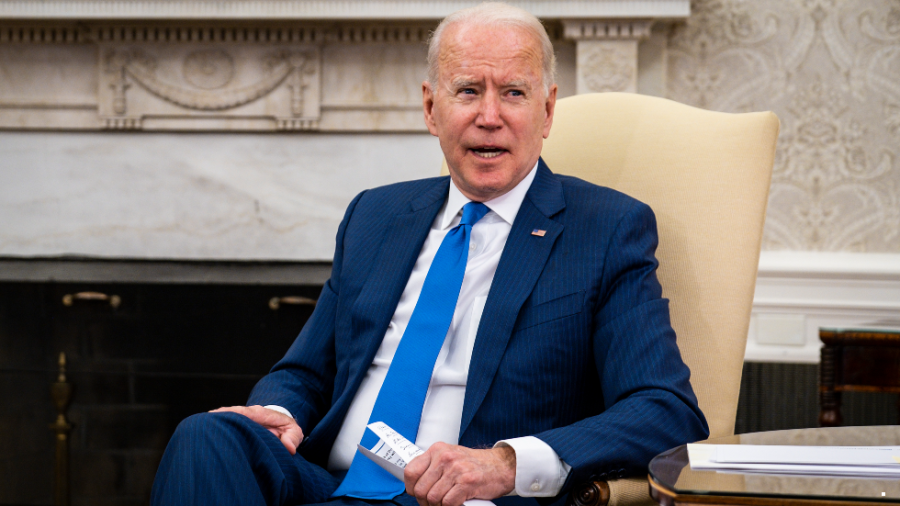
[706, 176]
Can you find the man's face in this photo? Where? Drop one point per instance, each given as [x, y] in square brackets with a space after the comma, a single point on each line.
[488, 108]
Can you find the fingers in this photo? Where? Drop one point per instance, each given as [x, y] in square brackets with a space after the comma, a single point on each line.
[454, 497]
[439, 492]
[268, 418]
[437, 480]
[234, 409]
[255, 413]
[414, 471]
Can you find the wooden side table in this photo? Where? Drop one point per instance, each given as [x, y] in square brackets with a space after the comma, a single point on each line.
[857, 360]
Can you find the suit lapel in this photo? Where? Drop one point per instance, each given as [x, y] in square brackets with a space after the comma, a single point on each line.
[520, 267]
[389, 274]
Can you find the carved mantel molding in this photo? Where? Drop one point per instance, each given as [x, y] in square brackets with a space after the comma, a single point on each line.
[324, 9]
[266, 65]
[606, 52]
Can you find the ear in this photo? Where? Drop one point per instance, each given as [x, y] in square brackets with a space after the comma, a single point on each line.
[550, 107]
[428, 107]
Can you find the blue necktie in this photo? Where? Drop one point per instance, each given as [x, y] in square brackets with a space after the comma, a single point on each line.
[399, 402]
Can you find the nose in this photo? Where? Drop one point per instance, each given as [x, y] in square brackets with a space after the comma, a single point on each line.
[489, 112]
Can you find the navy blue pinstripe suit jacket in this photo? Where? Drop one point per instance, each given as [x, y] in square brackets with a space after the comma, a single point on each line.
[574, 346]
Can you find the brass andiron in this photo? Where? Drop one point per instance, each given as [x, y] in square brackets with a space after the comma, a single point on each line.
[61, 392]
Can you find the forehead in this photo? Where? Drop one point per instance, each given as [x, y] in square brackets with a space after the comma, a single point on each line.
[470, 48]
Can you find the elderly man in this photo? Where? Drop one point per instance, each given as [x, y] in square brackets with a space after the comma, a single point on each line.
[505, 318]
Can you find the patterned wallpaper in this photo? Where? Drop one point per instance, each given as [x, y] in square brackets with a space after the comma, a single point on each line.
[830, 69]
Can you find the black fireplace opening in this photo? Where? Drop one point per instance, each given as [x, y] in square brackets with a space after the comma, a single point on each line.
[141, 357]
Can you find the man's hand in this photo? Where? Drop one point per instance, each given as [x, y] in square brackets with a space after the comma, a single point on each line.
[447, 475]
[284, 427]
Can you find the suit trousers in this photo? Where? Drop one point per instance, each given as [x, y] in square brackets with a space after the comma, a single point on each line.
[222, 459]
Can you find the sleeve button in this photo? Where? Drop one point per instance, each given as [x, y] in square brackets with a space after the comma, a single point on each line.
[535, 487]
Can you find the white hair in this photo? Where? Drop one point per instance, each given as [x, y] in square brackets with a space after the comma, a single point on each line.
[493, 14]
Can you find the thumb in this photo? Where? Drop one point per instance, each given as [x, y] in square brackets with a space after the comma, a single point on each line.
[291, 438]
[289, 443]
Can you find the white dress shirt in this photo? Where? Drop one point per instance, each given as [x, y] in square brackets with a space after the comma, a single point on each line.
[539, 470]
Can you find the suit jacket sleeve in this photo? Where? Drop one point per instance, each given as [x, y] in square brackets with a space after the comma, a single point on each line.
[303, 381]
[648, 405]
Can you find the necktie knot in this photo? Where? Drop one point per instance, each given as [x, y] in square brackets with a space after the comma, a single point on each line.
[472, 212]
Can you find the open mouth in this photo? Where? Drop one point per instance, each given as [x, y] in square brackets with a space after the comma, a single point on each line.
[488, 152]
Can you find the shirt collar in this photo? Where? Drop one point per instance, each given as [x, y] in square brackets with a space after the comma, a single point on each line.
[506, 206]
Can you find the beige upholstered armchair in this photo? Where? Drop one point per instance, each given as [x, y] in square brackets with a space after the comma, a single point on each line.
[706, 176]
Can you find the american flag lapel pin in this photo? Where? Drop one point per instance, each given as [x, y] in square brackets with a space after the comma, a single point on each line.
[538, 232]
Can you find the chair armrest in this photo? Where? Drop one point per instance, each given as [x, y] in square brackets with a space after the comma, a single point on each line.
[592, 493]
[621, 492]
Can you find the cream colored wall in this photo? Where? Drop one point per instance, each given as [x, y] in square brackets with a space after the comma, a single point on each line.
[830, 69]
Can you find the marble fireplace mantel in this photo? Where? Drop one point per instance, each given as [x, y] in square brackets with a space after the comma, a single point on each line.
[239, 130]
[325, 9]
[275, 65]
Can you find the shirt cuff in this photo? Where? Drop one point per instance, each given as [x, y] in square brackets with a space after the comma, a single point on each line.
[279, 409]
[539, 470]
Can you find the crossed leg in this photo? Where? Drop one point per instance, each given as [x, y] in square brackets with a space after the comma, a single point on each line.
[226, 458]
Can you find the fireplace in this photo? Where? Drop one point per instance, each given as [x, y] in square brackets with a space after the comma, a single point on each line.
[141, 354]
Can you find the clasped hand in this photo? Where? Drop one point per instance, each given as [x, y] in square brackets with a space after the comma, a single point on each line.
[448, 475]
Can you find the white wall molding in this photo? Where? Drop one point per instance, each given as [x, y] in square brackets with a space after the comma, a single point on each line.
[324, 9]
[799, 292]
[787, 264]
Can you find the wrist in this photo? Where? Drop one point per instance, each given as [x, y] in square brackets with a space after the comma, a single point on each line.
[507, 457]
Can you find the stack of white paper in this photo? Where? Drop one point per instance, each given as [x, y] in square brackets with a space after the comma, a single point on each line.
[394, 451]
[862, 461]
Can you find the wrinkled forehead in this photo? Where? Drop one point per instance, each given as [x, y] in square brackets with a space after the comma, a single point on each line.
[511, 49]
